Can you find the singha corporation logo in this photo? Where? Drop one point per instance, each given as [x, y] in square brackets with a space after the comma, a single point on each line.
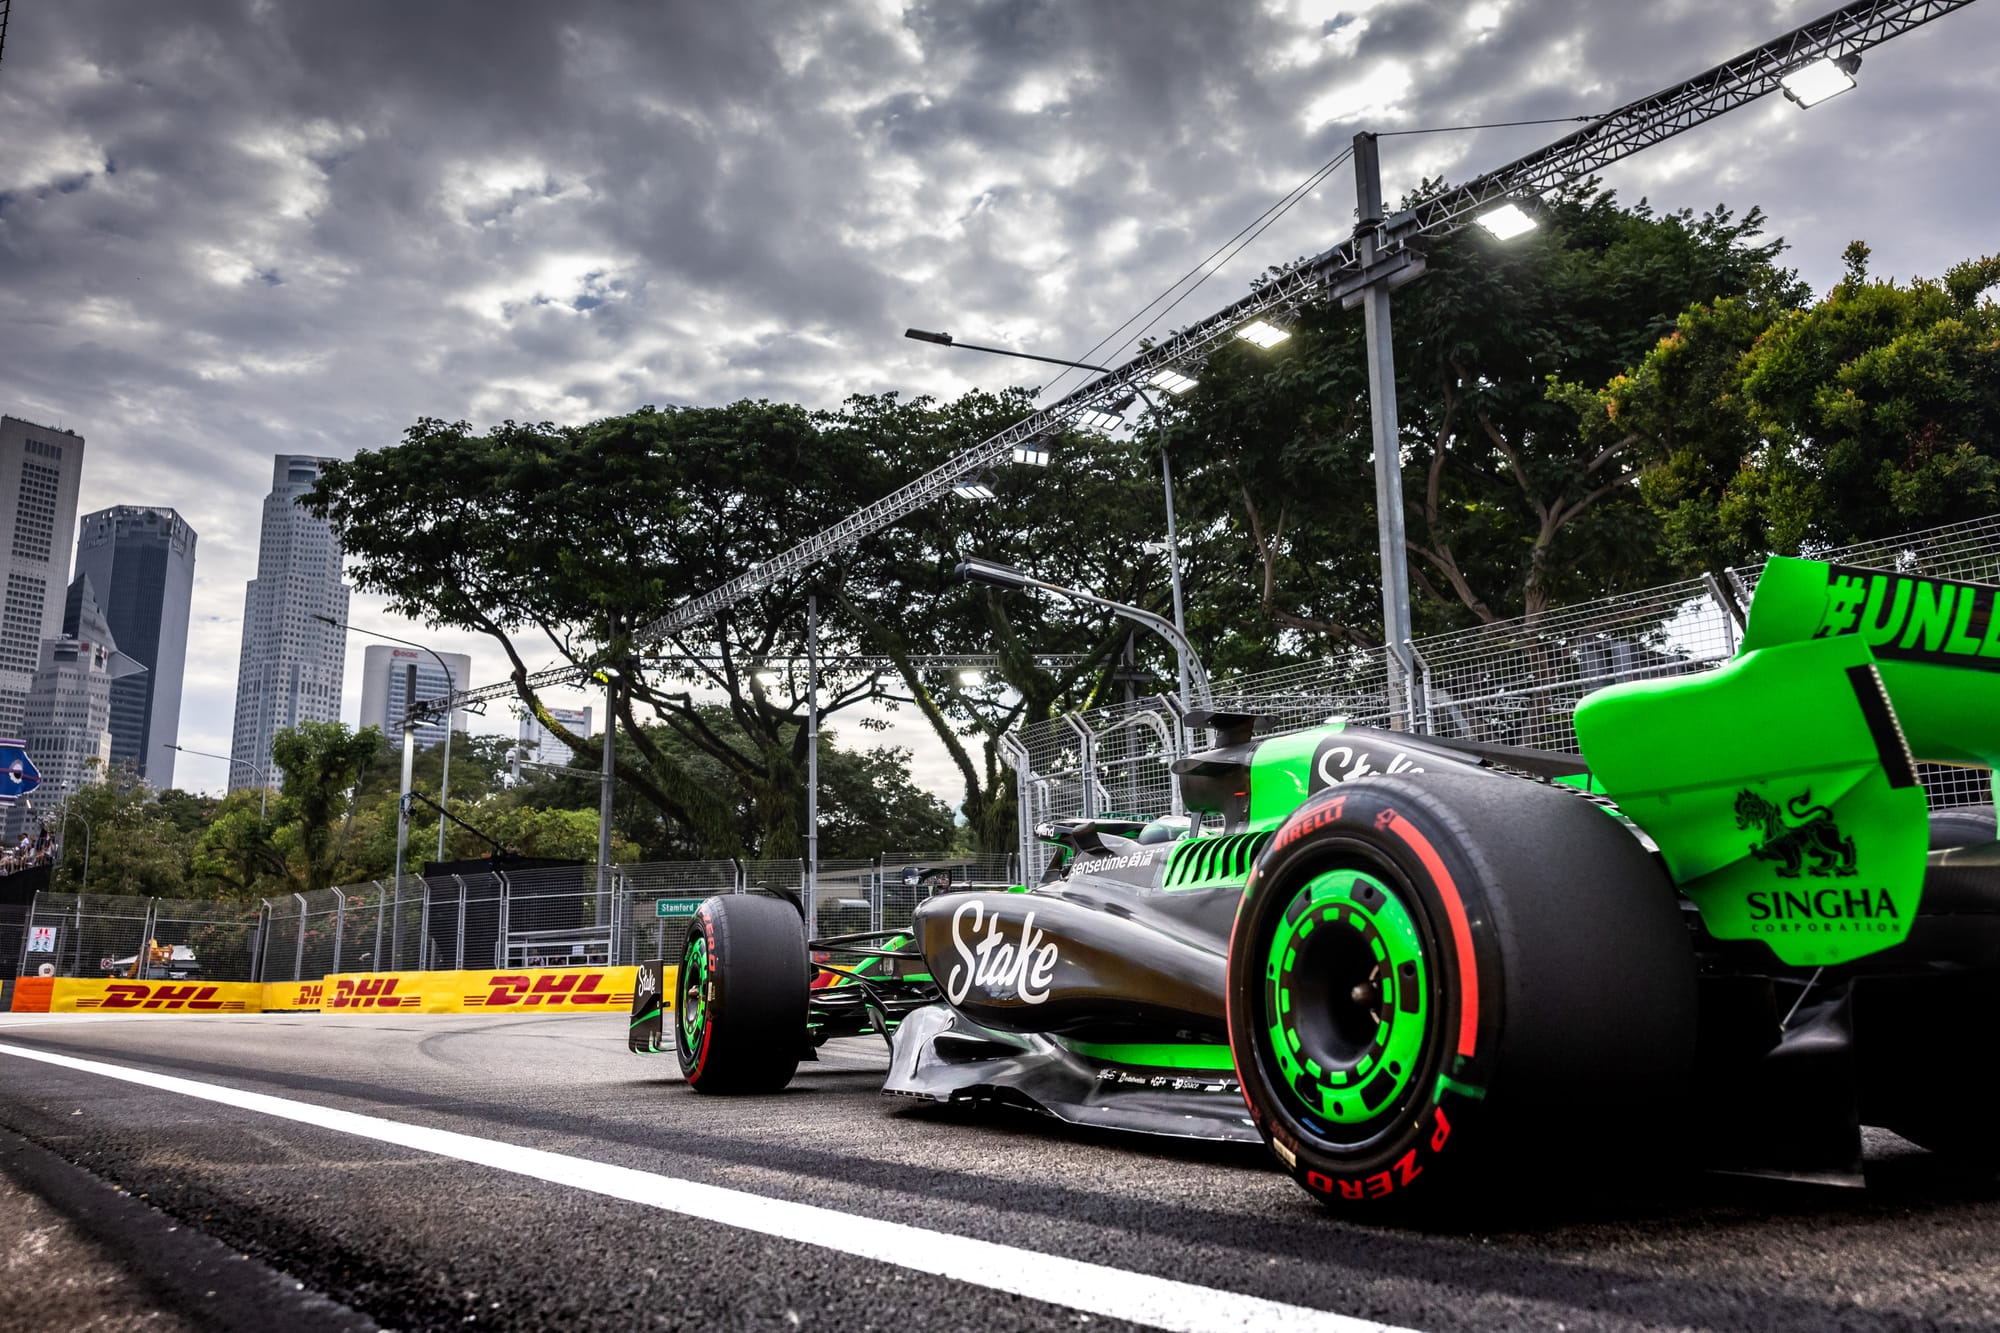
[1799, 831]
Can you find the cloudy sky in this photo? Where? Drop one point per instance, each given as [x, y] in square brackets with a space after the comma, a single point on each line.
[234, 228]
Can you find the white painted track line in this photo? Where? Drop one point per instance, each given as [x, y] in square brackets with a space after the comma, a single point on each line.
[1094, 1288]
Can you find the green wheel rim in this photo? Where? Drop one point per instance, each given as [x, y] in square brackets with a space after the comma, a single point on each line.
[694, 990]
[1347, 987]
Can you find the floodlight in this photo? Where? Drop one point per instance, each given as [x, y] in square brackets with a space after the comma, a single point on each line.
[1262, 334]
[1102, 422]
[1171, 380]
[973, 678]
[972, 488]
[1506, 222]
[1035, 453]
[992, 572]
[926, 336]
[1809, 85]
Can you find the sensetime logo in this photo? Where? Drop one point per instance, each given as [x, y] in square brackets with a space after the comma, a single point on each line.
[1828, 911]
[1904, 617]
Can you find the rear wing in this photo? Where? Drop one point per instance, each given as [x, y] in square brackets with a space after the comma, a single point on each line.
[1781, 788]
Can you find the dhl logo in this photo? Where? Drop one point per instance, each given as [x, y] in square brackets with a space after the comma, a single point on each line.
[312, 993]
[371, 993]
[549, 990]
[163, 996]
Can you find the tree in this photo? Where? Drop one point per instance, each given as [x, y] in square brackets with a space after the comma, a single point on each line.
[1874, 411]
[1508, 507]
[323, 764]
[134, 846]
[237, 855]
[1084, 522]
[573, 538]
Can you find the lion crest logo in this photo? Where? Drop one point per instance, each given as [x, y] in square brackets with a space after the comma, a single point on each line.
[1798, 832]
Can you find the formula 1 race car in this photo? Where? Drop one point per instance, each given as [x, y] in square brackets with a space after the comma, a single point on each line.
[1419, 967]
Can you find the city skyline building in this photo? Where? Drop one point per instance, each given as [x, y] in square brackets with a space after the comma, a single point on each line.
[291, 665]
[140, 560]
[385, 683]
[67, 711]
[40, 470]
[536, 744]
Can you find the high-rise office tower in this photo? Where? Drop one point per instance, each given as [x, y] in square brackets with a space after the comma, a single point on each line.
[385, 687]
[141, 563]
[290, 668]
[538, 745]
[67, 723]
[39, 470]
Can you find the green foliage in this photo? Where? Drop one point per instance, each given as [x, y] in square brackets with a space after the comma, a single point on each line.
[1507, 507]
[133, 845]
[1772, 429]
[323, 763]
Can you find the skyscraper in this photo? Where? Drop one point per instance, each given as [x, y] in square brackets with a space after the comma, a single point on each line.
[141, 564]
[68, 707]
[39, 470]
[385, 683]
[290, 668]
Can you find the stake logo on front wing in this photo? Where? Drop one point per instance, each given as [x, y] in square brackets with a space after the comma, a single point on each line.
[370, 993]
[547, 990]
[1021, 969]
[162, 996]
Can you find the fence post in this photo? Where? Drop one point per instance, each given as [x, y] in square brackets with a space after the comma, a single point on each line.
[299, 952]
[1089, 740]
[339, 926]
[146, 937]
[506, 915]
[27, 933]
[424, 929]
[875, 896]
[459, 956]
[375, 958]
[396, 929]
[76, 937]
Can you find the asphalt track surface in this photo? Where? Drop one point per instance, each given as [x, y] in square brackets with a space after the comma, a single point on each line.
[167, 1209]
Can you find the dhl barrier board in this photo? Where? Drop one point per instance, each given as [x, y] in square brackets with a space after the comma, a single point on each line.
[293, 995]
[81, 995]
[571, 989]
[541, 990]
[557, 990]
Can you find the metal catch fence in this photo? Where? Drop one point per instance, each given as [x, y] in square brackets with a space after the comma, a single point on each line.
[542, 917]
[1513, 682]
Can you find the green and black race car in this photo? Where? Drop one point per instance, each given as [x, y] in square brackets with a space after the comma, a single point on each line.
[1418, 967]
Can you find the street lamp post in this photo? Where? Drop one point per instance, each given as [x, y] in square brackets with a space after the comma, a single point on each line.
[410, 702]
[263, 774]
[1006, 576]
[1166, 464]
[84, 887]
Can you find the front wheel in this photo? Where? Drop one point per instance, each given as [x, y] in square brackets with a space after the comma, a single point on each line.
[1439, 982]
[740, 1016]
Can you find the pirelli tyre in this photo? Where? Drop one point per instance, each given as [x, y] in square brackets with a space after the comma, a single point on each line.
[1443, 982]
[740, 997]
[1962, 826]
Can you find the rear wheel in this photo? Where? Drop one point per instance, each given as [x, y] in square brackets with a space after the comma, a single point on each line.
[1439, 981]
[1962, 826]
[740, 1011]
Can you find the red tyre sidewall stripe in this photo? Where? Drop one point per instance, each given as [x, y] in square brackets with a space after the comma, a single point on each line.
[1461, 929]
